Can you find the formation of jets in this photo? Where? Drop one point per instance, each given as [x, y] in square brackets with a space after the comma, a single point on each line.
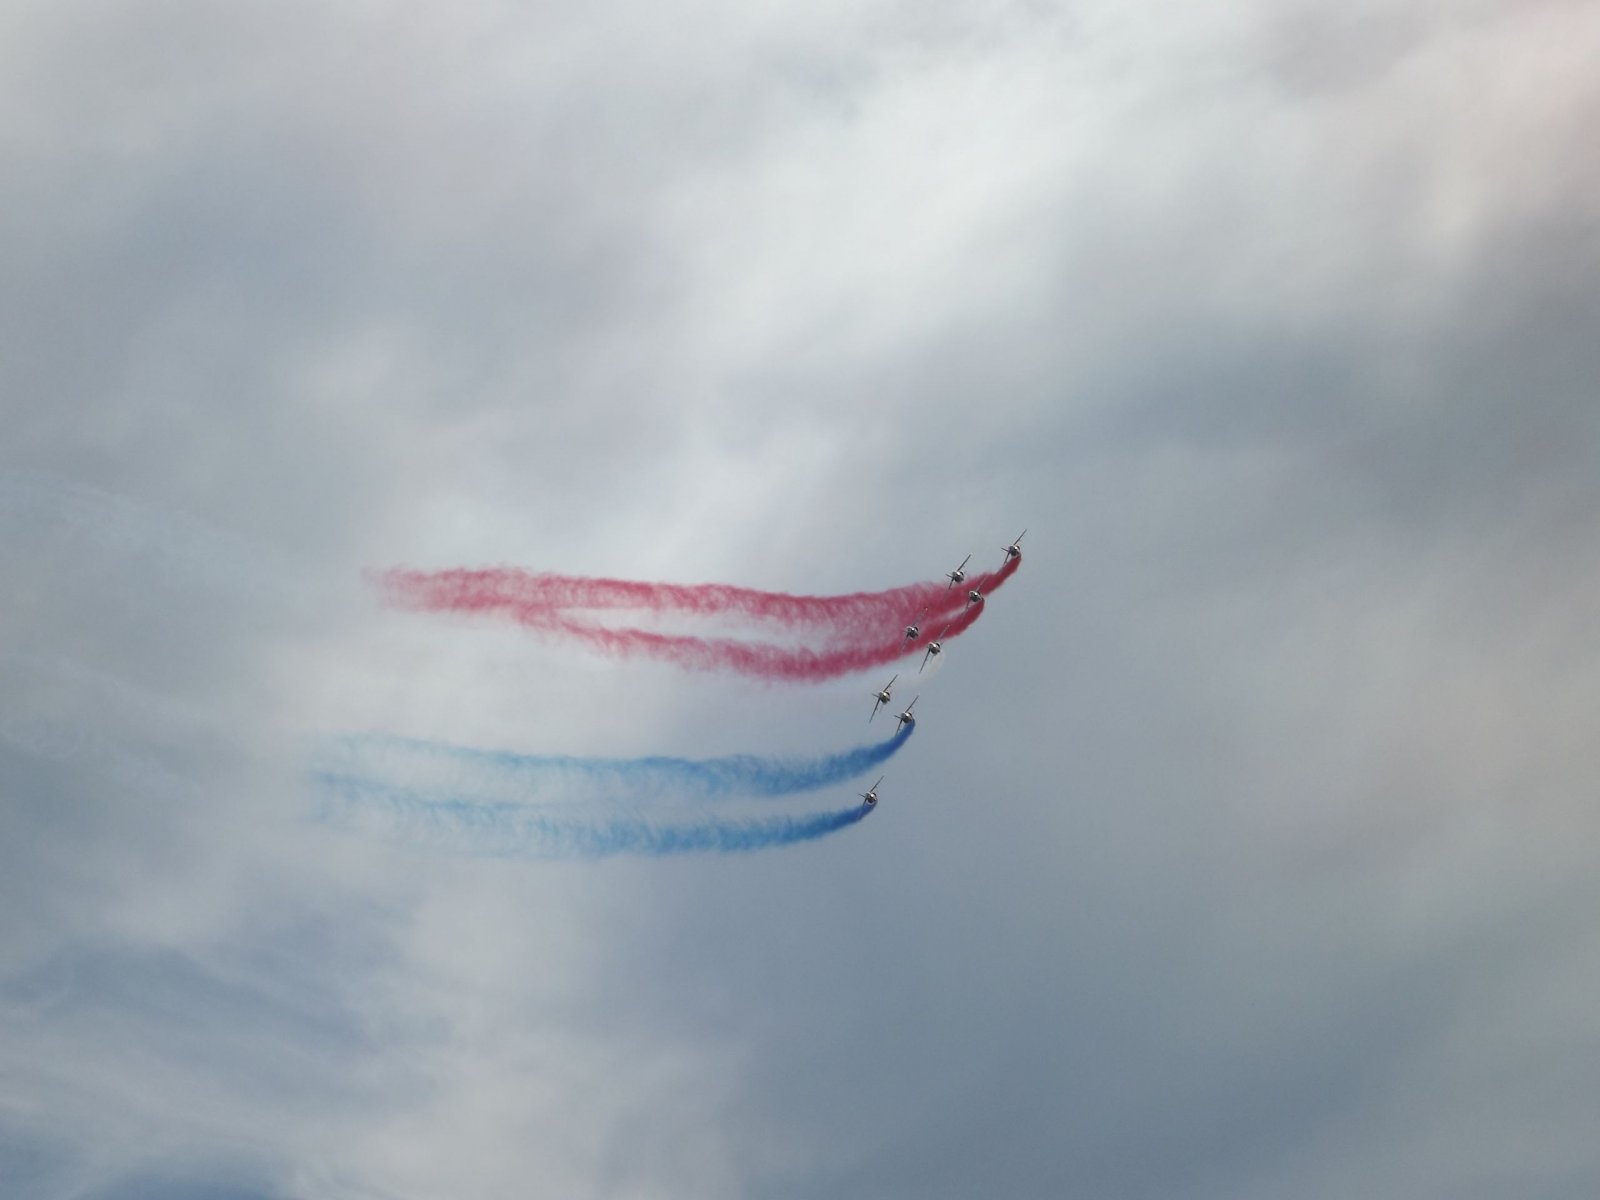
[884, 695]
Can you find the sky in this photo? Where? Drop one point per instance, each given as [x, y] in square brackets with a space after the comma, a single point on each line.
[1244, 848]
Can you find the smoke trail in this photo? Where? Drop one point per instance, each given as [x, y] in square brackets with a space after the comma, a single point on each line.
[439, 765]
[519, 593]
[865, 628]
[525, 596]
[513, 830]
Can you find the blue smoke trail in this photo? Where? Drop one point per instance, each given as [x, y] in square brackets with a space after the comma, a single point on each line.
[514, 830]
[449, 768]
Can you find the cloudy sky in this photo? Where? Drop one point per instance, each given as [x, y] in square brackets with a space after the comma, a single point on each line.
[1246, 846]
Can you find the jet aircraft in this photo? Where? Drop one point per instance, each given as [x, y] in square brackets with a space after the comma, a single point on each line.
[871, 794]
[914, 630]
[880, 698]
[934, 649]
[959, 575]
[906, 718]
[1015, 549]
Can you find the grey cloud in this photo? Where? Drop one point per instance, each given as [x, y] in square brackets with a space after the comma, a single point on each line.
[1242, 849]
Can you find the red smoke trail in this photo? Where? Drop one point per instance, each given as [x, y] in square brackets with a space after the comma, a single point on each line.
[859, 631]
[523, 596]
[512, 589]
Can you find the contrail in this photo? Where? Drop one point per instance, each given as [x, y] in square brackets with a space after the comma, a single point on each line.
[537, 777]
[857, 632]
[518, 831]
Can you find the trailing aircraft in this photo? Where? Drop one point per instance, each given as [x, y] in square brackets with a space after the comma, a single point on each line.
[881, 697]
[871, 794]
[959, 575]
[905, 718]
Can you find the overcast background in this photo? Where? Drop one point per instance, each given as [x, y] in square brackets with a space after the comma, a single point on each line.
[1246, 846]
